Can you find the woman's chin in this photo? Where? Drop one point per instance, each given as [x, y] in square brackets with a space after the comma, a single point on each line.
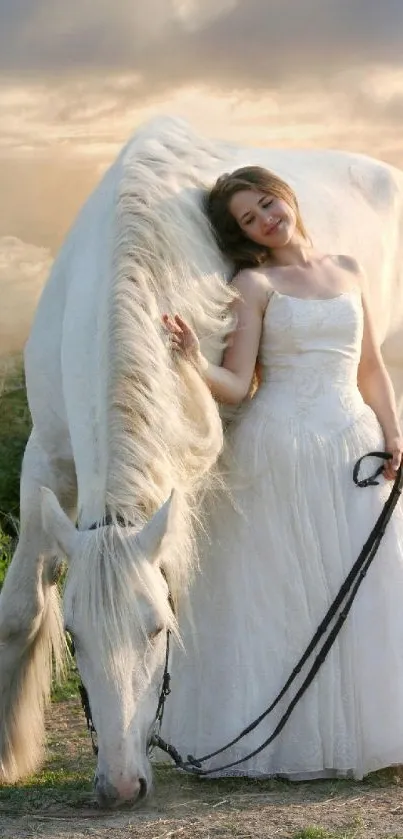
[277, 240]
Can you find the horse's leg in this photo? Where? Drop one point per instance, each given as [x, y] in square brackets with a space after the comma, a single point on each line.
[30, 618]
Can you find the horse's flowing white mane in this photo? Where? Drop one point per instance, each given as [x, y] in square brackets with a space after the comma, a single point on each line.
[164, 429]
[23, 699]
[144, 244]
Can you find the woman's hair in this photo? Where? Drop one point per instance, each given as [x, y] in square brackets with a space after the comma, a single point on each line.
[231, 239]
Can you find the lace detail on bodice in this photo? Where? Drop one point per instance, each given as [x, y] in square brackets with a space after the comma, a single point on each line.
[309, 355]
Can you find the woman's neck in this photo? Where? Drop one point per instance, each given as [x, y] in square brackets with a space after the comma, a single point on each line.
[299, 253]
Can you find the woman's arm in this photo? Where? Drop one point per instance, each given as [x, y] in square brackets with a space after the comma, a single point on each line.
[230, 382]
[377, 390]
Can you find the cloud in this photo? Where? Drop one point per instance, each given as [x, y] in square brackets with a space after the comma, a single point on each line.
[387, 110]
[78, 77]
[93, 71]
[42, 192]
[257, 44]
[23, 271]
[56, 142]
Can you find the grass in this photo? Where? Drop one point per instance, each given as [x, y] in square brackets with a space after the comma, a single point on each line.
[320, 833]
[68, 689]
[50, 787]
[5, 554]
[15, 426]
[181, 806]
[188, 808]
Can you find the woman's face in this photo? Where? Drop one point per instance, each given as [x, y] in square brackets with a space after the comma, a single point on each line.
[265, 219]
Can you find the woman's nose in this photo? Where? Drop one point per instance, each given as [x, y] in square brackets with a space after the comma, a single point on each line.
[266, 222]
[266, 217]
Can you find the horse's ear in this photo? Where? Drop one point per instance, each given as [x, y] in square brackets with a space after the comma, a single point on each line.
[150, 537]
[56, 524]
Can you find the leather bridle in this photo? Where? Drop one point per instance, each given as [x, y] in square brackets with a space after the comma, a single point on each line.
[337, 612]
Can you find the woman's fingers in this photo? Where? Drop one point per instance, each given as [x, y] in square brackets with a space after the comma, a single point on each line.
[183, 326]
[176, 324]
[180, 322]
[170, 324]
[176, 339]
[392, 466]
[396, 460]
[181, 335]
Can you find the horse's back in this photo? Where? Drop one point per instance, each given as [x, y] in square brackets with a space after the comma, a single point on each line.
[351, 204]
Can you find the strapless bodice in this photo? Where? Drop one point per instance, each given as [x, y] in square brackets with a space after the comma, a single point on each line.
[309, 355]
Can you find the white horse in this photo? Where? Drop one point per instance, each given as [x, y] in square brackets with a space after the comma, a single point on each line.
[118, 424]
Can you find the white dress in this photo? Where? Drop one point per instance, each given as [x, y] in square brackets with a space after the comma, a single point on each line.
[274, 557]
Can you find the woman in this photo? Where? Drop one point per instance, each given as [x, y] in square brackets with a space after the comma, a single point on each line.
[282, 542]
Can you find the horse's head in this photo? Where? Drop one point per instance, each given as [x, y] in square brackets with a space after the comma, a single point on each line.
[117, 610]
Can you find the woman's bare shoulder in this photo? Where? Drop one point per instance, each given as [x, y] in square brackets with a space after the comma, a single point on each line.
[253, 283]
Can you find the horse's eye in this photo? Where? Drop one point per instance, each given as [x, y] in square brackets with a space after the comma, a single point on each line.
[154, 634]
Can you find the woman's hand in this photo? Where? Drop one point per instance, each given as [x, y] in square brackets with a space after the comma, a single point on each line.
[395, 446]
[183, 339]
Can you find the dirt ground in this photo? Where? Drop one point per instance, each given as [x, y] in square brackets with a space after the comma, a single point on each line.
[58, 801]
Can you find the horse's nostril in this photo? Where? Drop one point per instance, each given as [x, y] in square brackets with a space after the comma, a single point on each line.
[124, 795]
[143, 788]
[107, 794]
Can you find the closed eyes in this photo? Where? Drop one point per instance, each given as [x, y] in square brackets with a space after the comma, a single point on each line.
[264, 204]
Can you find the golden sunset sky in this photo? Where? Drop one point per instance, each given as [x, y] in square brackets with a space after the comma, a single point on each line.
[78, 77]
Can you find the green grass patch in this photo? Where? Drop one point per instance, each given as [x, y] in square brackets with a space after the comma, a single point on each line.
[354, 832]
[321, 833]
[6, 550]
[52, 786]
[15, 427]
[311, 833]
[66, 778]
[68, 688]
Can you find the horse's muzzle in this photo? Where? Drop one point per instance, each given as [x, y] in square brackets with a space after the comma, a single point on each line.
[128, 794]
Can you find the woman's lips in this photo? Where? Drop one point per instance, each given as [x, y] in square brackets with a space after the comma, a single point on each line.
[272, 227]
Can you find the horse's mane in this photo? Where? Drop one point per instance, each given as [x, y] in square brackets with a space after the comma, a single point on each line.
[164, 429]
[23, 699]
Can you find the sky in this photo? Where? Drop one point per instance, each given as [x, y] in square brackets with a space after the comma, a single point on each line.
[77, 78]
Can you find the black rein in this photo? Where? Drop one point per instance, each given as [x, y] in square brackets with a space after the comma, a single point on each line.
[343, 602]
